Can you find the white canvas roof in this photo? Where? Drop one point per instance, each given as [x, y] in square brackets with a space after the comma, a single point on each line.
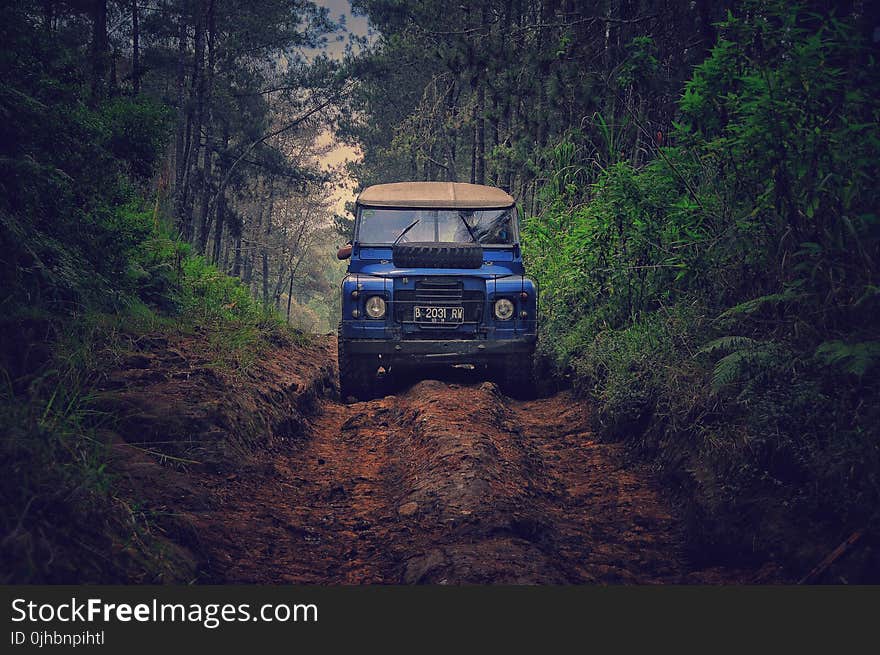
[454, 195]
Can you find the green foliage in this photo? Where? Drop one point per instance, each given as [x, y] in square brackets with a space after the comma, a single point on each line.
[238, 327]
[214, 298]
[344, 225]
[641, 64]
[86, 267]
[754, 305]
[68, 222]
[137, 133]
[760, 211]
[484, 91]
[856, 358]
[747, 358]
[623, 368]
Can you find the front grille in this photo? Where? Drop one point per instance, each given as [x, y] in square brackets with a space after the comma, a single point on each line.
[439, 292]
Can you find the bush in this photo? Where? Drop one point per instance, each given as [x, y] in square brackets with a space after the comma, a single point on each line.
[719, 302]
[86, 265]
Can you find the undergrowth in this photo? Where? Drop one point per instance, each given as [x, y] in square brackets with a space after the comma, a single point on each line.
[719, 302]
[88, 269]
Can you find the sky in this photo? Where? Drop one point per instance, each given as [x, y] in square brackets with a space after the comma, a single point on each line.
[341, 153]
[357, 25]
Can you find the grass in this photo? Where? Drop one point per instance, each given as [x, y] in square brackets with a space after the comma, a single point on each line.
[780, 462]
[63, 519]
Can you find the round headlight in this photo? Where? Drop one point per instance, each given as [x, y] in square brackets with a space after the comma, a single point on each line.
[503, 309]
[375, 307]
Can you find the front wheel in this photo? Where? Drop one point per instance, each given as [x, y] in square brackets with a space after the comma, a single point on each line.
[516, 375]
[357, 373]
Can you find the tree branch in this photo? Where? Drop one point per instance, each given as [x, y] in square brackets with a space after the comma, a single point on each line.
[269, 135]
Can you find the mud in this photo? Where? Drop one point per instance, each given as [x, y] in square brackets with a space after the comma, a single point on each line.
[449, 482]
[442, 481]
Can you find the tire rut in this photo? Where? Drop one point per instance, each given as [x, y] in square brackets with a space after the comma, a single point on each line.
[449, 483]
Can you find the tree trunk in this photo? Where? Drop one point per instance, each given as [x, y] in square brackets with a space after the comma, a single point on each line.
[265, 256]
[265, 246]
[113, 86]
[496, 172]
[248, 274]
[249, 250]
[474, 150]
[100, 49]
[208, 157]
[135, 49]
[48, 15]
[279, 285]
[289, 295]
[236, 261]
[452, 136]
[180, 155]
[481, 108]
[221, 206]
[707, 29]
[197, 91]
[481, 133]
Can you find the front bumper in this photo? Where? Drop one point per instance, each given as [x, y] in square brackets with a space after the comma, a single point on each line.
[447, 351]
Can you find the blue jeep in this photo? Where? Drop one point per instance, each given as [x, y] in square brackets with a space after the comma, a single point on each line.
[436, 277]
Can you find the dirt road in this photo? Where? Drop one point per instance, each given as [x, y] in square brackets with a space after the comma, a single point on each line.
[446, 481]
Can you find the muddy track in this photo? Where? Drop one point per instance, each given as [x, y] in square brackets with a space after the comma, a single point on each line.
[446, 481]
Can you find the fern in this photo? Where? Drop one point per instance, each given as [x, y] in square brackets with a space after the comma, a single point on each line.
[745, 354]
[751, 306]
[728, 343]
[856, 358]
[729, 369]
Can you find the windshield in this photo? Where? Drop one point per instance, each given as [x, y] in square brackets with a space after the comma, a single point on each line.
[489, 226]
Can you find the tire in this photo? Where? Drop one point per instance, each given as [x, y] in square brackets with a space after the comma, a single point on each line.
[357, 373]
[438, 255]
[515, 375]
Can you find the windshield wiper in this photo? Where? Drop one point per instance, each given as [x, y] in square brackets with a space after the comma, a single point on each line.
[469, 229]
[405, 230]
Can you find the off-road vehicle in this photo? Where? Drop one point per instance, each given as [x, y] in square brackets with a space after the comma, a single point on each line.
[436, 277]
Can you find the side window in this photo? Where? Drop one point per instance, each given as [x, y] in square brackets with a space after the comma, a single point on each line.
[365, 218]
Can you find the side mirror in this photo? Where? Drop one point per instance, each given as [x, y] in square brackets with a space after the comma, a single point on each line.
[344, 252]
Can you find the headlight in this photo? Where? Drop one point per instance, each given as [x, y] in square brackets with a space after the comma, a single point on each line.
[375, 307]
[503, 309]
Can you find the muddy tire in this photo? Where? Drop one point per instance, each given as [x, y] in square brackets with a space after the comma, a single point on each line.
[515, 375]
[357, 373]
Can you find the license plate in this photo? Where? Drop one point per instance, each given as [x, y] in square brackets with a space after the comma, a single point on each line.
[438, 314]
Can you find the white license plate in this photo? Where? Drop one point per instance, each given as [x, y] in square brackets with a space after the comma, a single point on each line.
[423, 314]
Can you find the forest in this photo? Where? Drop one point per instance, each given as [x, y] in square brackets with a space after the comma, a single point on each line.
[697, 191]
